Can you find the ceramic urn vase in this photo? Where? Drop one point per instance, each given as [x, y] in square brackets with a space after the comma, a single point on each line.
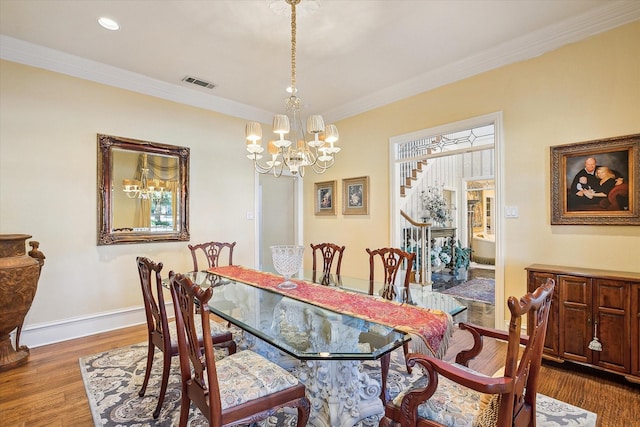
[19, 274]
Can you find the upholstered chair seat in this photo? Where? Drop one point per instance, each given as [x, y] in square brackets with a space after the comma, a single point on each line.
[245, 376]
[453, 404]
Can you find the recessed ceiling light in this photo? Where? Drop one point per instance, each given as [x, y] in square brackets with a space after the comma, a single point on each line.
[108, 23]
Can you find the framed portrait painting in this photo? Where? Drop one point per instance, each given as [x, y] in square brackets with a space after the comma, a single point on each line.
[325, 202]
[596, 182]
[355, 196]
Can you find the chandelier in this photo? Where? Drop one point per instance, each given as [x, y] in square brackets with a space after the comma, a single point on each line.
[293, 152]
[143, 188]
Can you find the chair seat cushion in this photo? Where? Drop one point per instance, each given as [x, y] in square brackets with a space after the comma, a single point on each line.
[246, 375]
[452, 404]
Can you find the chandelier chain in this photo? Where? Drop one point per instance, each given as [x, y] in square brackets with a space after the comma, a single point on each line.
[293, 44]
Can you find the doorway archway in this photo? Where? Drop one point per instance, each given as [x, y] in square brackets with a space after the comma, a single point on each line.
[469, 149]
[278, 214]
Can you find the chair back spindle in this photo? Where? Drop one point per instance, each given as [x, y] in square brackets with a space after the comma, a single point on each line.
[329, 252]
[393, 260]
[213, 253]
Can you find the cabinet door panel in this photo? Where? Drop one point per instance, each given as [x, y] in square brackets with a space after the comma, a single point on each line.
[575, 318]
[615, 350]
[611, 294]
[551, 340]
[610, 308]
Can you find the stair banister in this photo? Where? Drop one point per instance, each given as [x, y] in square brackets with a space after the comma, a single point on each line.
[425, 246]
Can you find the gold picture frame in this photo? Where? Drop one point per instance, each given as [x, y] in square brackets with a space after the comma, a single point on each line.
[325, 198]
[608, 195]
[355, 196]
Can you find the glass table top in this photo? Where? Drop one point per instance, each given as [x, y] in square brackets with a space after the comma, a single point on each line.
[301, 329]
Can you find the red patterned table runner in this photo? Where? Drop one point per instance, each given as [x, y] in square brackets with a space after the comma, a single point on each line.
[434, 327]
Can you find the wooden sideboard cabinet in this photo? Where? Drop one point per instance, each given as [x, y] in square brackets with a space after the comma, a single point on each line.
[587, 304]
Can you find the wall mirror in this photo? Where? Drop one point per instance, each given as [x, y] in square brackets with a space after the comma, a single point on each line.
[143, 191]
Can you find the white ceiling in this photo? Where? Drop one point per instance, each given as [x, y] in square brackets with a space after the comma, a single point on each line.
[352, 55]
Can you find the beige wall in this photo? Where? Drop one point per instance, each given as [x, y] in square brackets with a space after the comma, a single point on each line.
[584, 91]
[48, 154]
[49, 122]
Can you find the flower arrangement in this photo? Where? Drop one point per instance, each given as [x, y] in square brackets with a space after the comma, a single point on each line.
[439, 257]
[434, 206]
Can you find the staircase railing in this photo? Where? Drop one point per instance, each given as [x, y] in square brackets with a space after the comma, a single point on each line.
[417, 239]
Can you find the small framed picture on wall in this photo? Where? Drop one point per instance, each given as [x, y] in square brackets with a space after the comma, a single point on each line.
[355, 196]
[325, 202]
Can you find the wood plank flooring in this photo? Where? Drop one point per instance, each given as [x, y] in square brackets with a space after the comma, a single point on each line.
[48, 389]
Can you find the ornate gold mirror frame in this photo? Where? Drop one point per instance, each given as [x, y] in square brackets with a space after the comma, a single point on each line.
[143, 191]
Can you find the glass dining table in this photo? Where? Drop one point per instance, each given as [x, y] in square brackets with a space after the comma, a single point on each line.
[324, 347]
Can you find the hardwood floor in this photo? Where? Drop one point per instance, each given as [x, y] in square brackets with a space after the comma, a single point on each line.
[48, 389]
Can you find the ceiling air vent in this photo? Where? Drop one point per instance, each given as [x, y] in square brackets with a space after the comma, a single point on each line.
[198, 82]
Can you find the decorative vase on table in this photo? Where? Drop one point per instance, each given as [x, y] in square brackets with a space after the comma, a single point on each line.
[19, 274]
[287, 260]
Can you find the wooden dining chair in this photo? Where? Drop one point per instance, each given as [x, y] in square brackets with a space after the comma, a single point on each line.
[328, 252]
[242, 388]
[461, 396]
[393, 260]
[161, 333]
[213, 252]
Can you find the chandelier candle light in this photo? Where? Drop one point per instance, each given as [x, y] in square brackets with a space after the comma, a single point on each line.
[144, 188]
[294, 152]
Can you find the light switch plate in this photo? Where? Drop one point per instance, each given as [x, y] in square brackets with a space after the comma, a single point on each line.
[511, 212]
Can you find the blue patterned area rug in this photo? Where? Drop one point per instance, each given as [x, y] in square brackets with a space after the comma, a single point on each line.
[113, 378]
[478, 289]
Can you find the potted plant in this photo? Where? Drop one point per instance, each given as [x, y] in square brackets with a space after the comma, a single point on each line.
[461, 261]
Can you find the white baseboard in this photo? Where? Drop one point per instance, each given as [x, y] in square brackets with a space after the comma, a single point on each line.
[53, 332]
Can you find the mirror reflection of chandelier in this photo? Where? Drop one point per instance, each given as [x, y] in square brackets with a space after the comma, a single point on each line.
[143, 188]
[293, 152]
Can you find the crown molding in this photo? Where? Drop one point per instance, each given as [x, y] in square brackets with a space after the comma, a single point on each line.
[522, 48]
[607, 17]
[16, 50]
